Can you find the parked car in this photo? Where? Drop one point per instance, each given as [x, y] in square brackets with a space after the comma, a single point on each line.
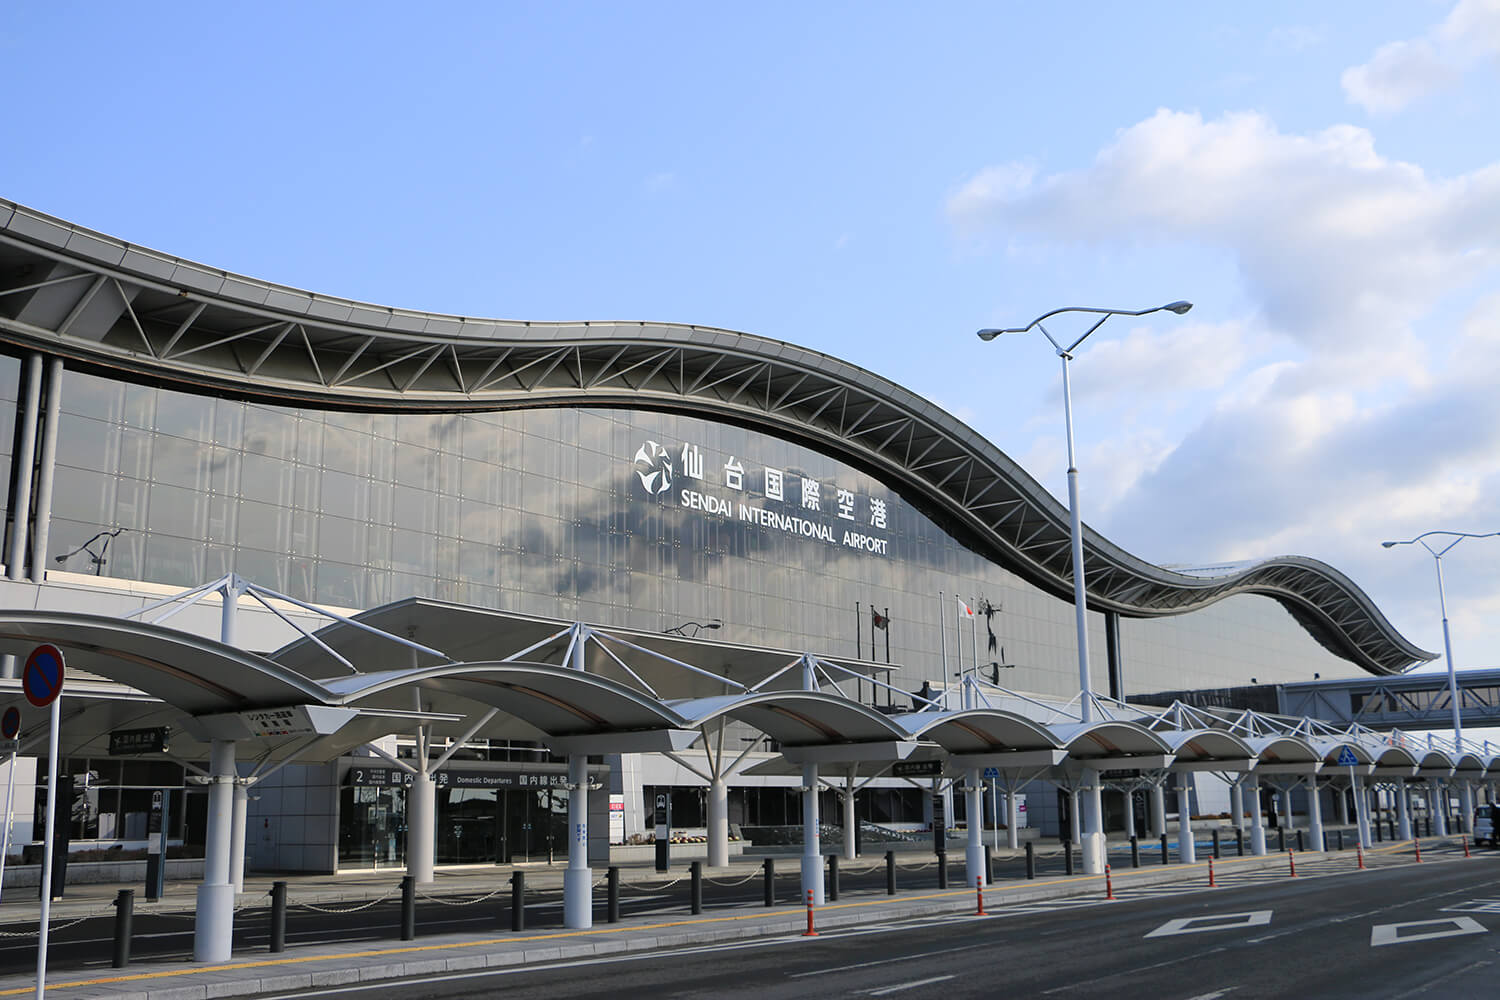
[1484, 824]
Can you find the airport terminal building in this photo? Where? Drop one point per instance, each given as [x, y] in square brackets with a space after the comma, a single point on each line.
[686, 490]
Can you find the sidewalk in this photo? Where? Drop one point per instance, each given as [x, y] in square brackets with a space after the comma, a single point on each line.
[304, 967]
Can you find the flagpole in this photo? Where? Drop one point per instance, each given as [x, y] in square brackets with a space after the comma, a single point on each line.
[943, 638]
[887, 635]
[974, 641]
[858, 634]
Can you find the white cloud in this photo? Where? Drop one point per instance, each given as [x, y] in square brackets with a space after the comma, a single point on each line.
[1342, 247]
[1355, 396]
[1402, 72]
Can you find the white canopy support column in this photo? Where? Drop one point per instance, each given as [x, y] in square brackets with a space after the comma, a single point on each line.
[1237, 802]
[812, 855]
[1314, 815]
[1158, 807]
[237, 834]
[1362, 811]
[1286, 818]
[1467, 818]
[1128, 795]
[851, 819]
[1403, 810]
[718, 822]
[1437, 807]
[213, 932]
[974, 811]
[1075, 822]
[1257, 822]
[1187, 850]
[578, 880]
[1093, 819]
[1343, 801]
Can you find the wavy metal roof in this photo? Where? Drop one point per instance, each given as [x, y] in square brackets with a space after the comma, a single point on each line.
[113, 307]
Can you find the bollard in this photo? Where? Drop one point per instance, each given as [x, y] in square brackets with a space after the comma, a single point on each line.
[979, 894]
[408, 907]
[1216, 842]
[1109, 885]
[770, 882]
[1379, 833]
[833, 878]
[1291, 859]
[695, 874]
[1135, 851]
[1341, 838]
[278, 917]
[1418, 845]
[1300, 846]
[124, 912]
[613, 906]
[518, 901]
[989, 866]
[1030, 861]
[810, 932]
[1360, 849]
[1324, 846]
[1239, 841]
[1281, 838]
[942, 863]
[1466, 847]
[1067, 857]
[1211, 882]
[1164, 848]
[890, 873]
[1429, 826]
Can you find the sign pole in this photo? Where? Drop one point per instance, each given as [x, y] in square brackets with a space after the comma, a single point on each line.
[41, 951]
[10, 815]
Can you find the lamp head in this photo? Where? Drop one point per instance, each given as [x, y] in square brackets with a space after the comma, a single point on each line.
[1386, 545]
[1179, 307]
[716, 623]
[989, 333]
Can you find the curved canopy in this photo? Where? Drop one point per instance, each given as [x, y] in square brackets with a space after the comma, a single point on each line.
[106, 305]
[1209, 748]
[1284, 754]
[796, 718]
[196, 675]
[977, 731]
[1469, 765]
[1394, 762]
[1432, 763]
[1111, 739]
[557, 701]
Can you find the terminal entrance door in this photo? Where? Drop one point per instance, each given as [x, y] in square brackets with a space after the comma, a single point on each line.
[534, 824]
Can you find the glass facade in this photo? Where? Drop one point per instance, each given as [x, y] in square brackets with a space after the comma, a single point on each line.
[619, 517]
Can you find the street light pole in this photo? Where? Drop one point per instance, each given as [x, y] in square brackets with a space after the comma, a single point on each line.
[1093, 833]
[1458, 723]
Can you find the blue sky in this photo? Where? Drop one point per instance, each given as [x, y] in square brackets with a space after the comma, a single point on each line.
[876, 181]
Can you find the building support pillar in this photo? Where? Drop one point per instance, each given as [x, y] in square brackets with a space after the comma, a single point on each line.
[812, 855]
[1314, 814]
[851, 818]
[1158, 808]
[1095, 849]
[1438, 806]
[1257, 822]
[578, 880]
[718, 822]
[974, 866]
[1237, 802]
[1012, 818]
[421, 825]
[213, 930]
[1403, 810]
[1187, 850]
[237, 835]
[1362, 812]
[1467, 819]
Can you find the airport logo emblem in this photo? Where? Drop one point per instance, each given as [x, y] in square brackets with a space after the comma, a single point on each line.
[653, 465]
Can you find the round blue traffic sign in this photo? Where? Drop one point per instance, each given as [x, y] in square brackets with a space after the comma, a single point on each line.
[43, 678]
[10, 723]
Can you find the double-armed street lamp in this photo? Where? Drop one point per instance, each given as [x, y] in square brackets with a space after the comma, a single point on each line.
[1093, 857]
[695, 626]
[1438, 550]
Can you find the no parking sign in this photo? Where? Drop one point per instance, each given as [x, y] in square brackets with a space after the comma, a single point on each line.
[42, 679]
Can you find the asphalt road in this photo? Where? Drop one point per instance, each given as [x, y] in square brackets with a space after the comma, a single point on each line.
[1395, 932]
[89, 944]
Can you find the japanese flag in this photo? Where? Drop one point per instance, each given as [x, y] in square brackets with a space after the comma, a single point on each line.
[964, 609]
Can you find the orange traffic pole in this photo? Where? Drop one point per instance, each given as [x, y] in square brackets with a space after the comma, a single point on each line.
[1360, 850]
[810, 932]
[979, 892]
[1291, 857]
[1466, 847]
[1211, 882]
[1109, 885]
[1418, 845]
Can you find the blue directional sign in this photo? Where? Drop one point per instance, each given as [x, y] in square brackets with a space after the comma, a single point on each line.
[42, 679]
[1346, 757]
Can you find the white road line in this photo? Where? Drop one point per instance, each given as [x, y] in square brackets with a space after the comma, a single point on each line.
[884, 961]
[1216, 922]
[905, 986]
[1383, 934]
[1214, 995]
